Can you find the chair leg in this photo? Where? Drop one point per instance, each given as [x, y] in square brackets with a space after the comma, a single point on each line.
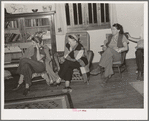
[119, 71]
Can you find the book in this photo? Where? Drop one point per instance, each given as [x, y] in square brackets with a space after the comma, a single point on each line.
[16, 37]
[11, 37]
[7, 36]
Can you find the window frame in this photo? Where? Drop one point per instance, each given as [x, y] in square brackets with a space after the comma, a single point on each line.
[85, 18]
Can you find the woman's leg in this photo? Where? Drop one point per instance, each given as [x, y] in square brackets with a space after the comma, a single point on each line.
[21, 79]
[26, 68]
[37, 67]
[67, 67]
[66, 72]
[139, 62]
[27, 73]
[107, 59]
[50, 72]
[68, 78]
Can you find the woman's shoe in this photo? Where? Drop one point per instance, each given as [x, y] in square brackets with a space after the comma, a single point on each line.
[18, 87]
[67, 89]
[105, 80]
[96, 71]
[58, 81]
[50, 83]
[26, 91]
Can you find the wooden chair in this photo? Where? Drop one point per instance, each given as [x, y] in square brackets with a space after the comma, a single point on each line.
[85, 41]
[121, 65]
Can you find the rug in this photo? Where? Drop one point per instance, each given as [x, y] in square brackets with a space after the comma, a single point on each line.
[139, 86]
[60, 101]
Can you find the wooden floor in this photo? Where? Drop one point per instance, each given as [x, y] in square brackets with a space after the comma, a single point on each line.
[117, 93]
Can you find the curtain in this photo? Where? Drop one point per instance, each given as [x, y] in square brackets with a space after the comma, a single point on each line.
[60, 17]
[113, 14]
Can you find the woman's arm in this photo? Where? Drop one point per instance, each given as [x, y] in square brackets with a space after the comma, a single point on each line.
[135, 40]
[125, 45]
[123, 48]
[38, 54]
[46, 50]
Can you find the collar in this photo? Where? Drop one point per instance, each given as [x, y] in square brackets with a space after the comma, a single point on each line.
[75, 46]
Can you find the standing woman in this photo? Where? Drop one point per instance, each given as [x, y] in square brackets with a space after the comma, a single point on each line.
[74, 58]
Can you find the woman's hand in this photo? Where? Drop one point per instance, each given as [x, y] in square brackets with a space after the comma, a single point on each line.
[118, 50]
[61, 59]
[104, 48]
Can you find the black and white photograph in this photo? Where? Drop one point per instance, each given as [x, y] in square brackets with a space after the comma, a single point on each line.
[74, 60]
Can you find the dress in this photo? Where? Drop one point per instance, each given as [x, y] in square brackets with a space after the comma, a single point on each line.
[29, 64]
[74, 59]
[110, 55]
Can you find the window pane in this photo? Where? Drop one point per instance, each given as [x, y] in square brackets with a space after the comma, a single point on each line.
[80, 13]
[75, 14]
[95, 12]
[107, 12]
[90, 12]
[102, 12]
[67, 14]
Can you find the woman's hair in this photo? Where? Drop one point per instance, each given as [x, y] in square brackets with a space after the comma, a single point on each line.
[74, 37]
[119, 27]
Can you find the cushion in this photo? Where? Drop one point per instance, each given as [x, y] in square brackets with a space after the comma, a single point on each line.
[118, 62]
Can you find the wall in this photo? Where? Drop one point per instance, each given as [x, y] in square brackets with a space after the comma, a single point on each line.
[28, 6]
[131, 17]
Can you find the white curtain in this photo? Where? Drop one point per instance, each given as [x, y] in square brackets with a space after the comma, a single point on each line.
[60, 17]
[113, 14]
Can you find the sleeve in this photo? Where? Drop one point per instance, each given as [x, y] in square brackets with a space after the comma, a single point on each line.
[34, 56]
[79, 54]
[105, 42]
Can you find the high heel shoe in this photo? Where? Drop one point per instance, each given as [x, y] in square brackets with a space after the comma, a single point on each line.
[58, 82]
[26, 91]
[18, 87]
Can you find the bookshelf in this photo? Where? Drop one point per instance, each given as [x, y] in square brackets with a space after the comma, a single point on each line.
[20, 27]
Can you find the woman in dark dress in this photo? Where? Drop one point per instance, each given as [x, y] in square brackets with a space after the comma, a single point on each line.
[74, 57]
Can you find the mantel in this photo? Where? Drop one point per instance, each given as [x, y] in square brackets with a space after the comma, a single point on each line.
[10, 16]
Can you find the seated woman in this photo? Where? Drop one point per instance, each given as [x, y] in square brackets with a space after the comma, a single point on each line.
[35, 60]
[74, 58]
[116, 43]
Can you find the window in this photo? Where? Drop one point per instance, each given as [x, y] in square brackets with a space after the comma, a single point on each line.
[86, 16]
